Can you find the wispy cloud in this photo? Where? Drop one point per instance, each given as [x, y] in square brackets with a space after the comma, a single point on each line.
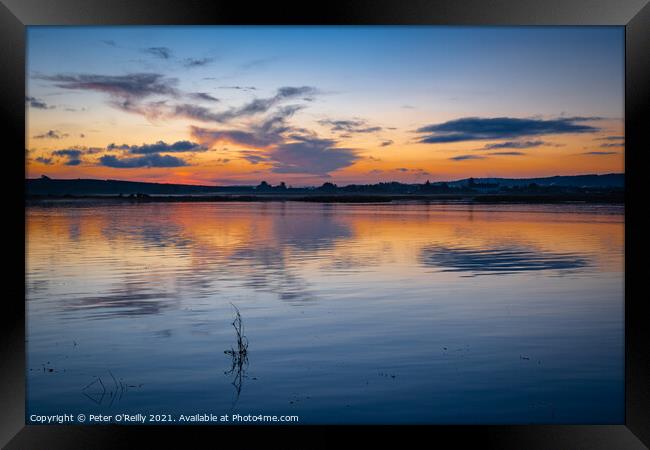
[196, 112]
[263, 105]
[37, 103]
[196, 62]
[466, 157]
[599, 153]
[611, 138]
[349, 126]
[266, 133]
[256, 63]
[412, 171]
[253, 156]
[130, 86]
[51, 134]
[159, 52]
[514, 144]
[239, 88]
[507, 154]
[203, 96]
[476, 128]
[255, 107]
[612, 144]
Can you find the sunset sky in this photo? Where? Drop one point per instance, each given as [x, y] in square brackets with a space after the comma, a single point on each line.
[305, 105]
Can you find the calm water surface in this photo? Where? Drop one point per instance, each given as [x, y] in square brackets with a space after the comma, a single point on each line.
[355, 313]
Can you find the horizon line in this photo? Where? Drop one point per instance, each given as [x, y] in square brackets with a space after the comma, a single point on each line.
[314, 186]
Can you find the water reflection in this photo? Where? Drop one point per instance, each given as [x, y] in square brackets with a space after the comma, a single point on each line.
[310, 232]
[332, 296]
[145, 259]
[498, 260]
[106, 391]
[145, 231]
[129, 299]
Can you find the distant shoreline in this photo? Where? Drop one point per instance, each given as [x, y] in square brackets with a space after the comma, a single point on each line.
[607, 188]
[608, 197]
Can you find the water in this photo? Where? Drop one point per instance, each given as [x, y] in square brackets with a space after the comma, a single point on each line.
[408, 313]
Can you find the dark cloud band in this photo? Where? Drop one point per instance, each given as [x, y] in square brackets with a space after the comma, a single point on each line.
[153, 160]
[476, 128]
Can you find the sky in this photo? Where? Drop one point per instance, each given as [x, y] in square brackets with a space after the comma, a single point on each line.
[306, 105]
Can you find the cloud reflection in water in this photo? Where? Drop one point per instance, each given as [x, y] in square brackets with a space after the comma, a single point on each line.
[498, 260]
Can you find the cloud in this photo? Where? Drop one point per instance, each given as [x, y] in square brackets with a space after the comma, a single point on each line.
[151, 110]
[150, 160]
[611, 138]
[263, 134]
[160, 147]
[196, 112]
[288, 149]
[113, 146]
[159, 52]
[515, 144]
[349, 126]
[311, 156]
[203, 96]
[598, 153]
[386, 143]
[612, 144]
[43, 160]
[239, 88]
[51, 134]
[256, 63]
[72, 153]
[239, 137]
[466, 157]
[262, 105]
[73, 156]
[123, 87]
[507, 154]
[418, 172]
[37, 103]
[256, 106]
[476, 128]
[110, 42]
[253, 157]
[196, 62]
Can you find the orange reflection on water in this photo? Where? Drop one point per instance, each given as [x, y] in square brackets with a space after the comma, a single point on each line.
[165, 240]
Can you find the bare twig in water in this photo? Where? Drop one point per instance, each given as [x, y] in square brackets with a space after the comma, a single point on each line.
[238, 355]
[242, 340]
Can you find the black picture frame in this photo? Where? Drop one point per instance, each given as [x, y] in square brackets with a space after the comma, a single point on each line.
[15, 15]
